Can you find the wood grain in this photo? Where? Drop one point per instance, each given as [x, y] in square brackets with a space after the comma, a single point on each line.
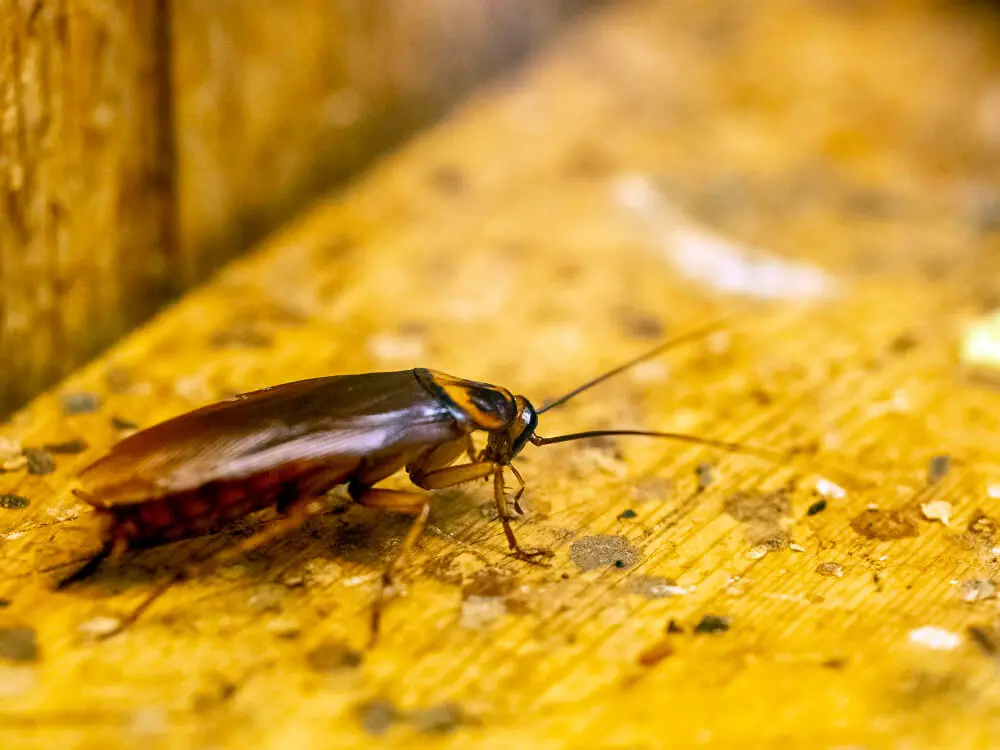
[560, 244]
[85, 182]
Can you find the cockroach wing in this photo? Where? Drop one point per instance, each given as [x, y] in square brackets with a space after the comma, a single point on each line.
[309, 422]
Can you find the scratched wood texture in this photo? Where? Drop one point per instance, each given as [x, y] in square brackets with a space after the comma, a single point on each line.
[660, 165]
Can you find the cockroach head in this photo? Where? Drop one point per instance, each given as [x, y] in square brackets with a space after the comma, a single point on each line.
[504, 444]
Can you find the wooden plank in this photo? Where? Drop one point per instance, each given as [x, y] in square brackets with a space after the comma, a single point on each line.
[277, 101]
[85, 182]
[661, 166]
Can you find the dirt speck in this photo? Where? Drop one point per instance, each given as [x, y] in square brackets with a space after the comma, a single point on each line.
[764, 514]
[80, 403]
[655, 587]
[874, 523]
[120, 423]
[603, 550]
[377, 716]
[655, 653]
[4, 603]
[18, 645]
[938, 468]
[710, 624]
[816, 508]
[40, 461]
[333, 656]
[704, 474]
[627, 515]
[442, 719]
[642, 325]
[14, 502]
[67, 447]
[985, 638]
[983, 526]
[832, 569]
[674, 627]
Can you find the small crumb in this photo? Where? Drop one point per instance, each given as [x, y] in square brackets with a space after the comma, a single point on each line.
[442, 719]
[832, 569]
[655, 587]
[937, 510]
[18, 645]
[14, 502]
[977, 589]
[817, 507]
[39, 461]
[936, 639]
[293, 580]
[69, 447]
[479, 612]
[712, 624]
[704, 473]
[377, 716]
[937, 469]
[835, 662]
[284, 627]
[99, 627]
[759, 551]
[79, 403]
[332, 656]
[627, 514]
[830, 490]
[796, 547]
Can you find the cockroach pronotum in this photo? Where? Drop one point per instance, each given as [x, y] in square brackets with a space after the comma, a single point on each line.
[288, 445]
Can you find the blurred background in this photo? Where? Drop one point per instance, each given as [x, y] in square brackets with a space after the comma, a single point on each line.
[143, 144]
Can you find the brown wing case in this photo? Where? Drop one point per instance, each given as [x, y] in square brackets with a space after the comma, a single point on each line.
[307, 421]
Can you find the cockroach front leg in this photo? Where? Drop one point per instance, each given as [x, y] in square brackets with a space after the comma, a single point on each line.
[454, 475]
[504, 513]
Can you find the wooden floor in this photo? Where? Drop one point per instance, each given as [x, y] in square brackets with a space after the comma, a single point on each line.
[827, 173]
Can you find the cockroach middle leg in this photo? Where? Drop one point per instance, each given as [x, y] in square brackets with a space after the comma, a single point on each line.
[400, 501]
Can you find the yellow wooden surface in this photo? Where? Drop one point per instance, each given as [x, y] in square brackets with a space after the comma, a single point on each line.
[549, 230]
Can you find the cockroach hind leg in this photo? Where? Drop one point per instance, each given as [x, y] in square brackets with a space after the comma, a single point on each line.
[113, 550]
[87, 569]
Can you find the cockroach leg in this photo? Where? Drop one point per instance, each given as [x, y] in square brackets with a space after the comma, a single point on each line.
[293, 517]
[504, 513]
[113, 549]
[520, 492]
[450, 476]
[400, 501]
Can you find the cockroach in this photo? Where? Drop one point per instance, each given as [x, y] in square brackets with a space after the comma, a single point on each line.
[288, 445]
